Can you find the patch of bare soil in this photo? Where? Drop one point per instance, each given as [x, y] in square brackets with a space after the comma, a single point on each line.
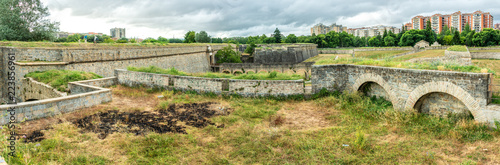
[302, 116]
[173, 119]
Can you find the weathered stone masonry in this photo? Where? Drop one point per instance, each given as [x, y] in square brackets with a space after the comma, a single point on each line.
[247, 88]
[103, 61]
[405, 87]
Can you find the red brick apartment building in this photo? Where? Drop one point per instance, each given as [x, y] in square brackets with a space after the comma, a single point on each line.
[477, 21]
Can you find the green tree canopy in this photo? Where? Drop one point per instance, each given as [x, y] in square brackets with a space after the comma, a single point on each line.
[277, 36]
[227, 55]
[291, 38]
[430, 35]
[202, 37]
[25, 20]
[410, 37]
[189, 37]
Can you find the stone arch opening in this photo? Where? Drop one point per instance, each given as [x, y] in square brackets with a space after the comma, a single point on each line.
[31, 100]
[448, 88]
[262, 71]
[373, 89]
[226, 72]
[441, 104]
[237, 73]
[250, 72]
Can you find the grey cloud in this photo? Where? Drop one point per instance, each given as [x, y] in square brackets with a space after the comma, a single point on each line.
[242, 18]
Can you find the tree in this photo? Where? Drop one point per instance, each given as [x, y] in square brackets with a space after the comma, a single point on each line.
[291, 38]
[122, 40]
[161, 39]
[430, 35]
[25, 20]
[189, 37]
[202, 37]
[389, 41]
[456, 38]
[410, 37]
[466, 30]
[277, 36]
[375, 41]
[250, 49]
[175, 40]
[227, 55]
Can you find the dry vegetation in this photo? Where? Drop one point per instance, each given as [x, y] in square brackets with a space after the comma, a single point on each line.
[423, 54]
[343, 129]
[379, 54]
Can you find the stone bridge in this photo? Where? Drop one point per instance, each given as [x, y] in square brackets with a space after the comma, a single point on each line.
[427, 91]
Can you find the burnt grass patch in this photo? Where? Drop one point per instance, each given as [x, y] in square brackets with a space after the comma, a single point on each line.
[141, 122]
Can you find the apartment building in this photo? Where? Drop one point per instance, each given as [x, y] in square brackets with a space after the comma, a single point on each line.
[477, 21]
[323, 29]
[117, 33]
[497, 26]
[372, 31]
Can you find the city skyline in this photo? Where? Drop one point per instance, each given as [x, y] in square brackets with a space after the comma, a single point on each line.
[170, 19]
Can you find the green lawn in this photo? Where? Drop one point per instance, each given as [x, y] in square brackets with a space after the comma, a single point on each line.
[399, 64]
[458, 48]
[59, 79]
[423, 54]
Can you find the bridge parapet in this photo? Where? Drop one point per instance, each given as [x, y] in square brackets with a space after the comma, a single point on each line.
[408, 88]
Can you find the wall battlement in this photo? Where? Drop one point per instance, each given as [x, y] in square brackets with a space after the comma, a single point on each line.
[285, 54]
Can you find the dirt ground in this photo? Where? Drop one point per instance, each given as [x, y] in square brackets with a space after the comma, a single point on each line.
[138, 115]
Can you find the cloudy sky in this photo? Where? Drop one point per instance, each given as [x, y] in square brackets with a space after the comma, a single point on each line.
[228, 18]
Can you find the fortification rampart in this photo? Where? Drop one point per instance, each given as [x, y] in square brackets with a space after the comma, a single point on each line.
[485, 55]
[284, 54]
[193, 59]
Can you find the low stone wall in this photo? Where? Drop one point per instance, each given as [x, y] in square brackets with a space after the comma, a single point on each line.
[217, 85]
[90, 85]
[251, 88]
[32, 89]
[55, 106]
[485, 55]
[407, 88]
[332, 51]
[382, 49]
[436, 47]
[484, 48]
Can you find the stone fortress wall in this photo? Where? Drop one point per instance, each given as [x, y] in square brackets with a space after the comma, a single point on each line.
[284, 54]
[191, 59]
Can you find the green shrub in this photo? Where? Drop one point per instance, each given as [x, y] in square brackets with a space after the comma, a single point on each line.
[59, 79]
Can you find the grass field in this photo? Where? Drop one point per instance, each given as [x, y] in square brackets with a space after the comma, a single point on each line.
[320, 57]
[59, 79]
[423, 54]
[338, 129]
[379, 54]
[457, 48]
[247, 76]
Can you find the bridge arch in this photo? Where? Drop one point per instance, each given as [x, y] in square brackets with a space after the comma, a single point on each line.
[377, 79]
[448, 88]
[226, 71]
